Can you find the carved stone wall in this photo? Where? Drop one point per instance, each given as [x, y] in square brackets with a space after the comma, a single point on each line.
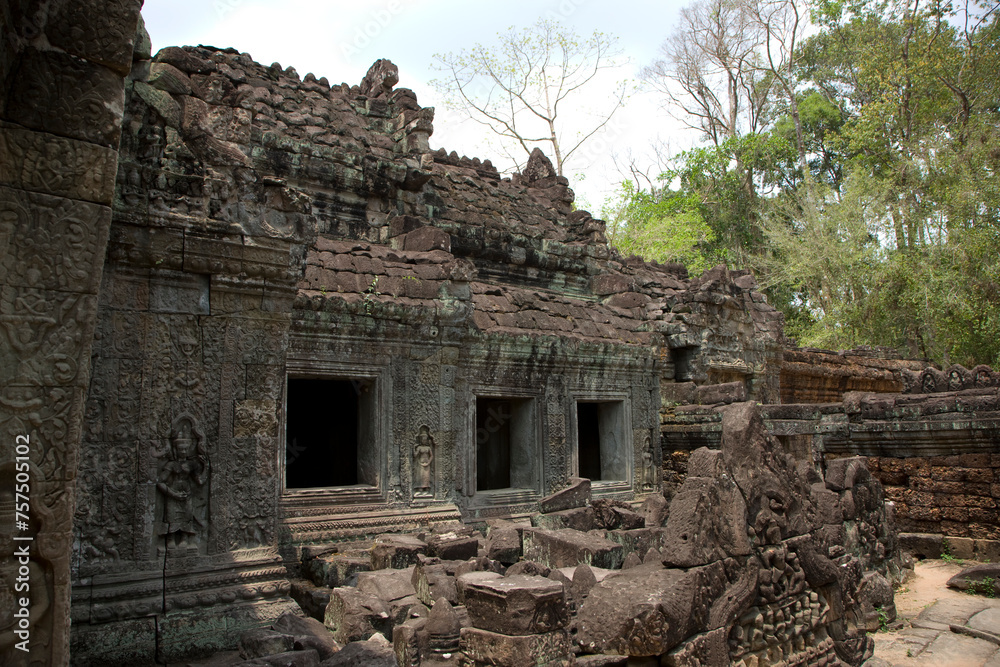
[269, 227]
[62, 67]
[176, 528]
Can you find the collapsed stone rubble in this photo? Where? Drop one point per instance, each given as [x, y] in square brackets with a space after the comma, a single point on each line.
[759, 560]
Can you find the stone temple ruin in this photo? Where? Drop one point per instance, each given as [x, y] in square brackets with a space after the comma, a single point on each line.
[293, 383]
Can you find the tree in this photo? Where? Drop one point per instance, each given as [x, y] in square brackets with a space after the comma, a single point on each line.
[905, 251]
[722, 73]
[856, 170]
[520, 88]
[709, 73]
[659, 224]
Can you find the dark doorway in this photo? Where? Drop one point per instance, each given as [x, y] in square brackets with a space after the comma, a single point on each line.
[321, 436]
[602, 441]
[589, 440]
[493, 418]
[683, 358]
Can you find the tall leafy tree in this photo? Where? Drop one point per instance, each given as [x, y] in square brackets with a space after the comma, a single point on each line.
[917, 89]
[861, 180]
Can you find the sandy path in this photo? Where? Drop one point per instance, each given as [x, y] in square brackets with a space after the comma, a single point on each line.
[926, 606]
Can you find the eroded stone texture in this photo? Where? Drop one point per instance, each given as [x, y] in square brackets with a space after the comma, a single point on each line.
[791, 569]
[551, 649]
[60, 118]
[568, 548]
[517, 605]
[931, 451]
[810, 375]
[265, 227]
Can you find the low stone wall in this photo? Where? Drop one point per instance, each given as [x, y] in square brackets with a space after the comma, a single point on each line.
[809, 375]
[948, 495]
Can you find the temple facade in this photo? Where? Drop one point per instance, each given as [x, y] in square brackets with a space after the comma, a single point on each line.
[249, 313]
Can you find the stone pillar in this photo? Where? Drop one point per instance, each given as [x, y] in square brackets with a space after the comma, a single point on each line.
[62, 66]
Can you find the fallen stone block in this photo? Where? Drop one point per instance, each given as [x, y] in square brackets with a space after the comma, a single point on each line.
[983, 579]
[578, 518]
[643, 611]
[450, 546]
[312, 599]
[468, 578]
[875, 599]
[639, 540]
[517, 605]
[569, 548]
[353, 615]
[262, 642]
[443, 629]
[842, 474]
[708, 522]
[530, 568]
[436, 579]
[336, 569]
[577, 494]
[655, 510]
[375, 652]
[503, 544]
[396, 551]
[552, 649]
[324, 649]
[615, 515]
[409, 641]
[393, 587]
[309, 633]
[388, 584]
[705, 462]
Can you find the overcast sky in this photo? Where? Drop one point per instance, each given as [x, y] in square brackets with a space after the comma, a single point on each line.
[340, 40]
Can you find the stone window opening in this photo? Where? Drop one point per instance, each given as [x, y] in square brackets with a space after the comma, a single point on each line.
[506, 451]
[329, 439]
[602, 448]
[683, 358]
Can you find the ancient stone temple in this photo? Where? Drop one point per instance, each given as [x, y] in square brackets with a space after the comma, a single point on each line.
[268, 352]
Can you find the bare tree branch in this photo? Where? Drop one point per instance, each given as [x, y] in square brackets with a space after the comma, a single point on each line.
[516, 89]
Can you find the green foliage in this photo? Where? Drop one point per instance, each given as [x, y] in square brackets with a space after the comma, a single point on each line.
[946, 554]
[664, 226]
[887, 230]
[985, 587]
[371, 294]
[883, 619]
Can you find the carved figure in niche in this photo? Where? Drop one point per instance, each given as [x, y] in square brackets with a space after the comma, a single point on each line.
[423, 458]
[648, 470]
[182, 481]
[955, 380]
[770, 521]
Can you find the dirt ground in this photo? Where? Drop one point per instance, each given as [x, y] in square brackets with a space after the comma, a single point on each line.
[927, 607]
